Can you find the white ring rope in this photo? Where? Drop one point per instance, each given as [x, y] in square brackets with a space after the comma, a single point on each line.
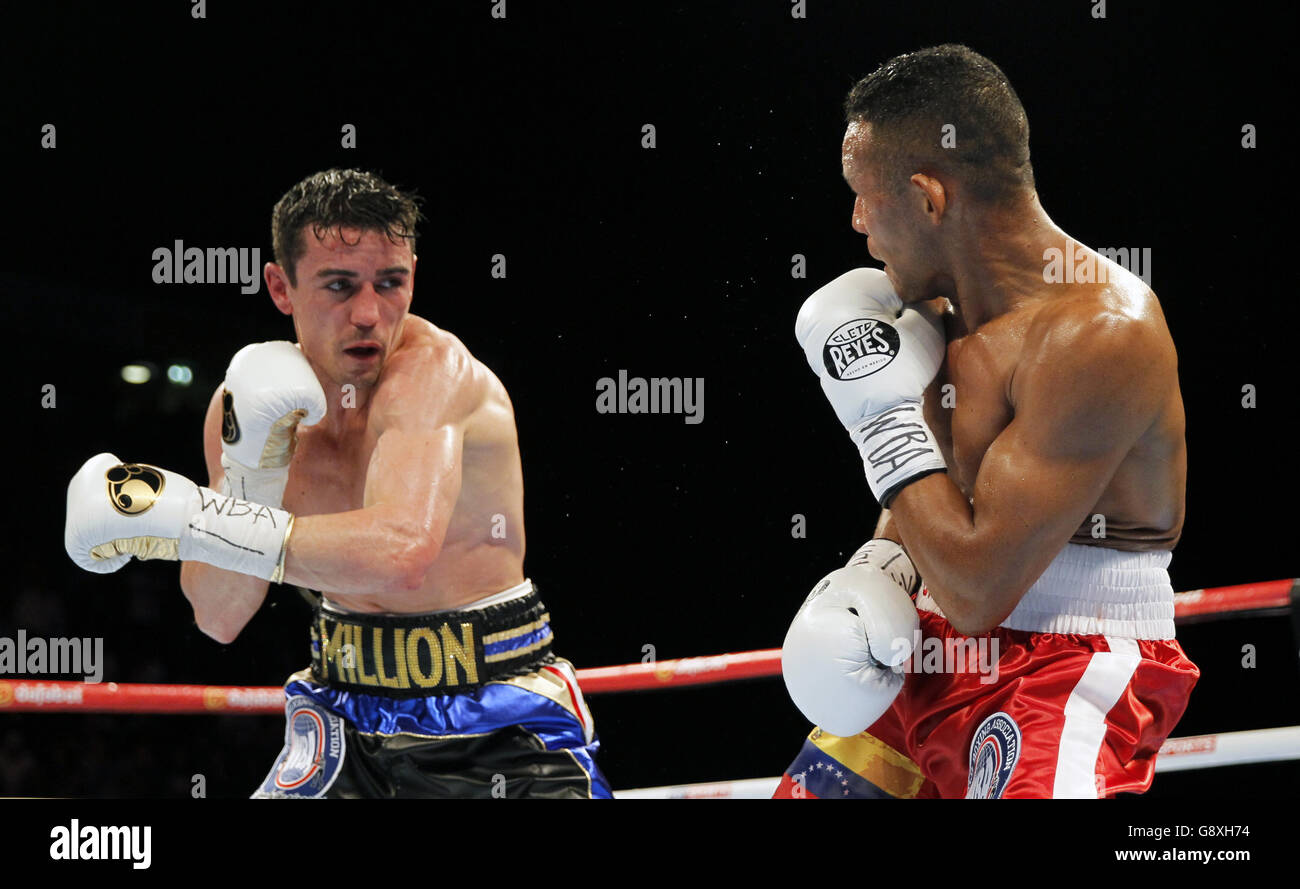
[1176, 755]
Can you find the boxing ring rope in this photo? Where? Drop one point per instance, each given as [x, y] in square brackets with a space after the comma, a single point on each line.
[1263, 599]
[1176, 755]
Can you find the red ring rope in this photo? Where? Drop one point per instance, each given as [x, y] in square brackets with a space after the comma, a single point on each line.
[26, 695]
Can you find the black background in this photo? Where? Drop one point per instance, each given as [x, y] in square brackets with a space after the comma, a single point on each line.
[524, 137]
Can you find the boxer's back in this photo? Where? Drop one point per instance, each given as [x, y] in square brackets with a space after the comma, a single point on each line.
[1143, 504]
[483, 548]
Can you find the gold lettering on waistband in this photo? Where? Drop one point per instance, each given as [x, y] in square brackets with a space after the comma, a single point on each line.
[386, 681]
[399, 656]
[363, 678]
[461, 651]
[413, 657]
[320, 641]
[350, 655]
[348, 668]
[333, 648]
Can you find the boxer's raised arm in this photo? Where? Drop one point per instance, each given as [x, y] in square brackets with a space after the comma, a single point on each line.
[223, 601]
[1083, 398]
[412, 484]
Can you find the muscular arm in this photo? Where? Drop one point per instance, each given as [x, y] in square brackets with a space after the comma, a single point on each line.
[412, 484]
[223, 601]
[1084, 395]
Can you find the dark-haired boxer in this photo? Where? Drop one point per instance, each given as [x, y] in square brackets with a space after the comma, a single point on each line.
[1023, 424]
[376, 461]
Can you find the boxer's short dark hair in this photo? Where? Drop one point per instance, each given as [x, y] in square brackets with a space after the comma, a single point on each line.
[334, 199]
[909, 99]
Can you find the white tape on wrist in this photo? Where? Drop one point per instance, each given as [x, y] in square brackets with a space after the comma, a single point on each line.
[897, 447]
[264, 486]
[237, 535]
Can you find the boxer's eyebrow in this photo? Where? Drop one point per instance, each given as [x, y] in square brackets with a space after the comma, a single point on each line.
[349, 273]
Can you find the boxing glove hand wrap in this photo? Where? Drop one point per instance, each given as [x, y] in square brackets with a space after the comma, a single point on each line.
[117, 510]
[875, 358]
[897, 448]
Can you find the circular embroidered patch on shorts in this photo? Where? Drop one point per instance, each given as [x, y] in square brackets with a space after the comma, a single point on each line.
[994, 750]
[313, 752]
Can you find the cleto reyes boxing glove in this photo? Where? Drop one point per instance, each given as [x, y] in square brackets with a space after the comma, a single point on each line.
[874, 359]
[843, 655]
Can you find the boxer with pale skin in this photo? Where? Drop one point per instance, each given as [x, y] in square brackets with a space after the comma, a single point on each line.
[1024, 436]
[397, 495]
[377, 462]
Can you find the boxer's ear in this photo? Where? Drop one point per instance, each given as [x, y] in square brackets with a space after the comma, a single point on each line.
[277, 284]
[932, 191]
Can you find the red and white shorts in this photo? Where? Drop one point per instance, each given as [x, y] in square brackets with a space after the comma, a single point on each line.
[1071, 697]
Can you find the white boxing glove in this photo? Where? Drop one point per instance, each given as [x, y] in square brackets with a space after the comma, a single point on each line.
[118, 510]
[874, 364]
[843, 657]
[269, 389]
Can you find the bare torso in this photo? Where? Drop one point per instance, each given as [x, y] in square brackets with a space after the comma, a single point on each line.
[1143, 504]
[483, 550]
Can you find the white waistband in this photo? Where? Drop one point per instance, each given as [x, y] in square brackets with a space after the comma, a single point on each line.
[1096, 592]
[518, 591]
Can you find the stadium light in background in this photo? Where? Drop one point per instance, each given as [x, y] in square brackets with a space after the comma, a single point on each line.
[136, 373]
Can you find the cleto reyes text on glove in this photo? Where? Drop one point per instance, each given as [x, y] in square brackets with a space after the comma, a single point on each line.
[874, 359]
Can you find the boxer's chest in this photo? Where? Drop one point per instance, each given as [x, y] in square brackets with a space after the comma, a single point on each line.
[326, 475]
[974, 394]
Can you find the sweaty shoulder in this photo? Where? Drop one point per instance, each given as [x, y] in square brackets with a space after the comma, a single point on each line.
[431, 374]
[1113, 332]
